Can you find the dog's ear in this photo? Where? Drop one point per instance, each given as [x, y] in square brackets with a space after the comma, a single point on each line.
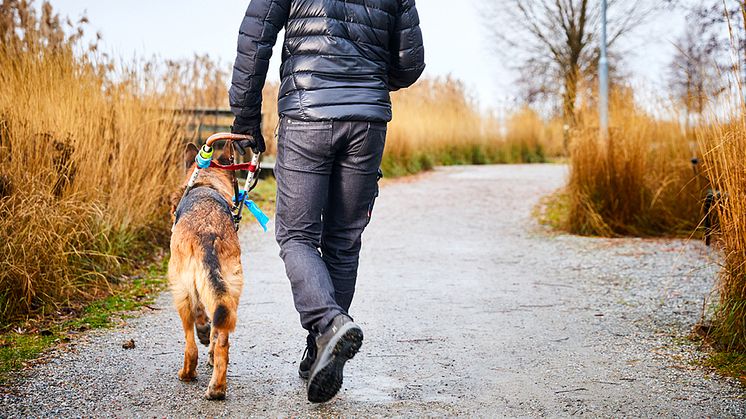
[225, 156]
[190, 153]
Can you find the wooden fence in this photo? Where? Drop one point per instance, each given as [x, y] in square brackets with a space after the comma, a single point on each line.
[200, 123]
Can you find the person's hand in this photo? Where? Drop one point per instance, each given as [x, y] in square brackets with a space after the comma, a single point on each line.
[252, 128]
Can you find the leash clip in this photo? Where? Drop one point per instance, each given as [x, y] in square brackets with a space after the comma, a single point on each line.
[253, 208]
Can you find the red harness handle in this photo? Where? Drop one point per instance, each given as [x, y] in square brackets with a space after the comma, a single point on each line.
[233, 167]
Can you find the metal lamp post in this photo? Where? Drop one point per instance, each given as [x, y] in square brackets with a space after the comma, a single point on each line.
[603, 77]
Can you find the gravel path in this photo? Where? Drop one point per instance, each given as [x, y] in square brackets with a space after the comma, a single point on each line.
[469, 308]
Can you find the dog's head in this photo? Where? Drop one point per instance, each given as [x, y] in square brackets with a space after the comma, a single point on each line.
[218, 179]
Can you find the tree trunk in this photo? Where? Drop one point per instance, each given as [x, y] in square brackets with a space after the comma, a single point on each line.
[570, 95]
[568, 106]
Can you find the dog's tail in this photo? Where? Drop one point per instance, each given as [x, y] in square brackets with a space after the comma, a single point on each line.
[225, 315]
[221, 299]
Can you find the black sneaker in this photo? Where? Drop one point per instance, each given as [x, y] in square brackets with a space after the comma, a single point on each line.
[338, 344]
[309, 357]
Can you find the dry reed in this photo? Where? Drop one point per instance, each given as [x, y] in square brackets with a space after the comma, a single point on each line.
[639, 182]
[532, 138]
[725, 157]
[85, 164]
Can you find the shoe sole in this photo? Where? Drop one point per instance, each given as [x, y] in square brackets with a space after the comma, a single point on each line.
[325, 384]
[304, 374]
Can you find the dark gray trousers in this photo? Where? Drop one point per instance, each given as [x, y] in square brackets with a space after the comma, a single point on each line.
[326, 185]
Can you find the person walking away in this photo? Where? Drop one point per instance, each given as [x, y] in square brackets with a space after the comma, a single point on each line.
[340, 60]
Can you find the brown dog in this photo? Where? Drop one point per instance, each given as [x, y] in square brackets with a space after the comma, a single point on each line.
[205, 271]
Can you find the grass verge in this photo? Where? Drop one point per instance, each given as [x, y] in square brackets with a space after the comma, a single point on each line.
[730, 364]
[264, 195]
[725, 361]
[24, 342]
[553, 210]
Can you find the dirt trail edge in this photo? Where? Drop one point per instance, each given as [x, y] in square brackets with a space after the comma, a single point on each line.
[468, 307]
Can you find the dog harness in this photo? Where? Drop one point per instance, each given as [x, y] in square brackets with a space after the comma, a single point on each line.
[240, 197]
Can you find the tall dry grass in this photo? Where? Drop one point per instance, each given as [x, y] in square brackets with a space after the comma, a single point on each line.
[724, 142]
[436, 123]
[85, 164]
[639, 182]
[532, 138]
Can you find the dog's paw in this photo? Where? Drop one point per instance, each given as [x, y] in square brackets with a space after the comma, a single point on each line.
[187, 375]
[215, 392]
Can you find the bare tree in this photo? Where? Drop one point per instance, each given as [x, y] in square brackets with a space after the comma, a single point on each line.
[722, 23]
[554, 42]
[700, 58]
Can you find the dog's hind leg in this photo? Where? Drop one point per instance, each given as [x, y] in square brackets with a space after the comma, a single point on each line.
[224, 322]
[211, 352]
[189, 371]
[202, 325]
[216, 389]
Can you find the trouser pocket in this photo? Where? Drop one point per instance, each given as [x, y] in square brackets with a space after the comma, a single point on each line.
[375, 195]
[305, 146]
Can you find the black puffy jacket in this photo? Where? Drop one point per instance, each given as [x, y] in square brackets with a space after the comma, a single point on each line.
[340, 58]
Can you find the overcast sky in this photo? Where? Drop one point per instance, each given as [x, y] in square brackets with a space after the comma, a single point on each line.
[455, 38]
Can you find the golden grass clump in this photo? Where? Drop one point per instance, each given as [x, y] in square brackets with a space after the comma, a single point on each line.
[725, 160]
[531, 139]
[436, 123]
[639, 182]
[85, 164]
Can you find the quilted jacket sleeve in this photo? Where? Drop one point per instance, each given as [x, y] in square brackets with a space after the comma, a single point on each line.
[407, 50]
[256, 37]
